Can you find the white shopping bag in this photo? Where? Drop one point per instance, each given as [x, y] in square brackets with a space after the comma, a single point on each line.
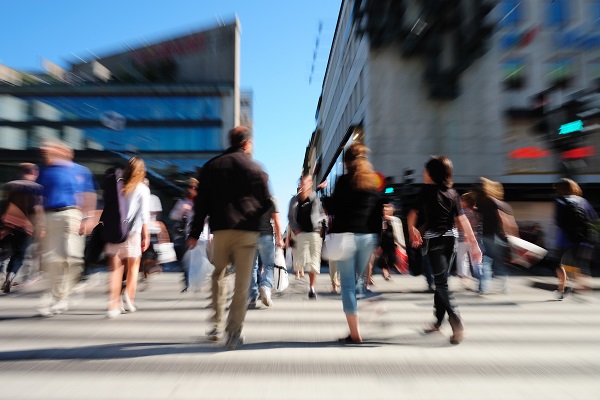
[199, 268]
[524, 253]
[280, 274]
[165, 253]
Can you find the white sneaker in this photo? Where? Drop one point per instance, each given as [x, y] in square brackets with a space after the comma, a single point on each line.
[265, 296]
[113, 313]
[59, 307]
[127, 304]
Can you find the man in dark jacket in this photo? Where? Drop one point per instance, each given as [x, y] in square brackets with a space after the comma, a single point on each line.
[233, 193]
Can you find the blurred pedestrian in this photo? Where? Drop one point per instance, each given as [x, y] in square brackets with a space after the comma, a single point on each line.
[306, 219]
[20, 215]
[158, 234]
[391, 238]
[127, 255]
[354, 206]
[442, 209]
[261, 280]
[497, 221]
[68, 199]
[181, 217]
[464, 260]
[573, 215]
[234, 211]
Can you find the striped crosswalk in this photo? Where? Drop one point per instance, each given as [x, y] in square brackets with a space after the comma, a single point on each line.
[518, 346]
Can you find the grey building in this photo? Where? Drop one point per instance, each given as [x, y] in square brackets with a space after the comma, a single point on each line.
[414, 78]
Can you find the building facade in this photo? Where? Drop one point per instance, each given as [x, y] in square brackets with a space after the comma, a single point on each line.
[411, 79]
[171, 102]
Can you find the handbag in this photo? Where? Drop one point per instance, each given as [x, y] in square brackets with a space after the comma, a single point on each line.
[338, 246]
[94, 246]
[165, 252]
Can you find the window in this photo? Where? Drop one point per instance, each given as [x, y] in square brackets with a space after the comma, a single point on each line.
[511, 13]
[594, 70]
[561, 71]
[594, 13]
[513, 71]
[557, 12]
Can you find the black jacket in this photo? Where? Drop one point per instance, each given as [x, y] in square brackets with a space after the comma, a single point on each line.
[233, 192]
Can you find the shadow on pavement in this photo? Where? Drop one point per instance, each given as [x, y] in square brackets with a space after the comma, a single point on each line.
[109, 351]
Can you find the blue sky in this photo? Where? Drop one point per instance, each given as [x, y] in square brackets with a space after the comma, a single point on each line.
[277, 46]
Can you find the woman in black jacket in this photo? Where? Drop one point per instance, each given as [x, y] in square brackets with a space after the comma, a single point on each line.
[356, 210]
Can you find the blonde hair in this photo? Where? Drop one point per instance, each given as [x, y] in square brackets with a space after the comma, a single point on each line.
[362, 174]
[134, 174]
[492, 188]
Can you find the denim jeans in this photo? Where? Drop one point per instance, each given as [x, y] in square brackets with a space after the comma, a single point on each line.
[494, 252]
[441, 252]
[20, 242]
[266, 251]
[352, 269]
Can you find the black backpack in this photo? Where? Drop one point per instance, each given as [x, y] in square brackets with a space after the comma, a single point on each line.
[114, 215]
[574, 221]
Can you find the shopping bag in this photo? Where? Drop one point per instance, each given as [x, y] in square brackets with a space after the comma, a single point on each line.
[199, 268]
[338, 246]
[280, 274]
[279, 257]
[524, 253]
[165, 253]
[401, 260]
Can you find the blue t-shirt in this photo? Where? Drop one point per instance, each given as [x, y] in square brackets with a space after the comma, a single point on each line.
[61, 183]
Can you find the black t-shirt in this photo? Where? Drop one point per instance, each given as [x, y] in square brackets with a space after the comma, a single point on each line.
[264, 223]
[303, 215]
[387, 238]
[490, 219]
[439, 206]
[354, 210]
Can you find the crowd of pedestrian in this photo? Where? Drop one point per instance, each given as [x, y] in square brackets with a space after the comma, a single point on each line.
[237, 227]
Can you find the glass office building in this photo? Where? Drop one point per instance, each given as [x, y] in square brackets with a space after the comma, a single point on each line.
[172, 103]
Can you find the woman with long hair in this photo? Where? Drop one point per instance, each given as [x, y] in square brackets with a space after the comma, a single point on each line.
[128, 254]
[441, 207]
[575, 237]
[356, 209]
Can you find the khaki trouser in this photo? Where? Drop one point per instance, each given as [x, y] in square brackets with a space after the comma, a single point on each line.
[308, 247]
[238, 248]
[62, 251]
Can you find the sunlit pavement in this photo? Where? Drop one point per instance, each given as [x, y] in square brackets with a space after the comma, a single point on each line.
[523, 345]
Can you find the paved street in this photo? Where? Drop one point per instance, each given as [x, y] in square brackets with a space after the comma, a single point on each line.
[518, 346]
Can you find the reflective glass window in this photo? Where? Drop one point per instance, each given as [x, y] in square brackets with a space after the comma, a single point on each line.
[157, 139]
[511, 12]
[557, 12]
[135, 107]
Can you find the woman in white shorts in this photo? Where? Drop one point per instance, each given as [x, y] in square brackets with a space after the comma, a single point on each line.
[128, 254]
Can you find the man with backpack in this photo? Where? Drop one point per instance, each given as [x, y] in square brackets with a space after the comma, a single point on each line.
[234, 194]
[576, 236]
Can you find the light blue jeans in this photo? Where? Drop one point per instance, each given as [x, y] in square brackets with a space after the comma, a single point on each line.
[351, 269]
[266, 251]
